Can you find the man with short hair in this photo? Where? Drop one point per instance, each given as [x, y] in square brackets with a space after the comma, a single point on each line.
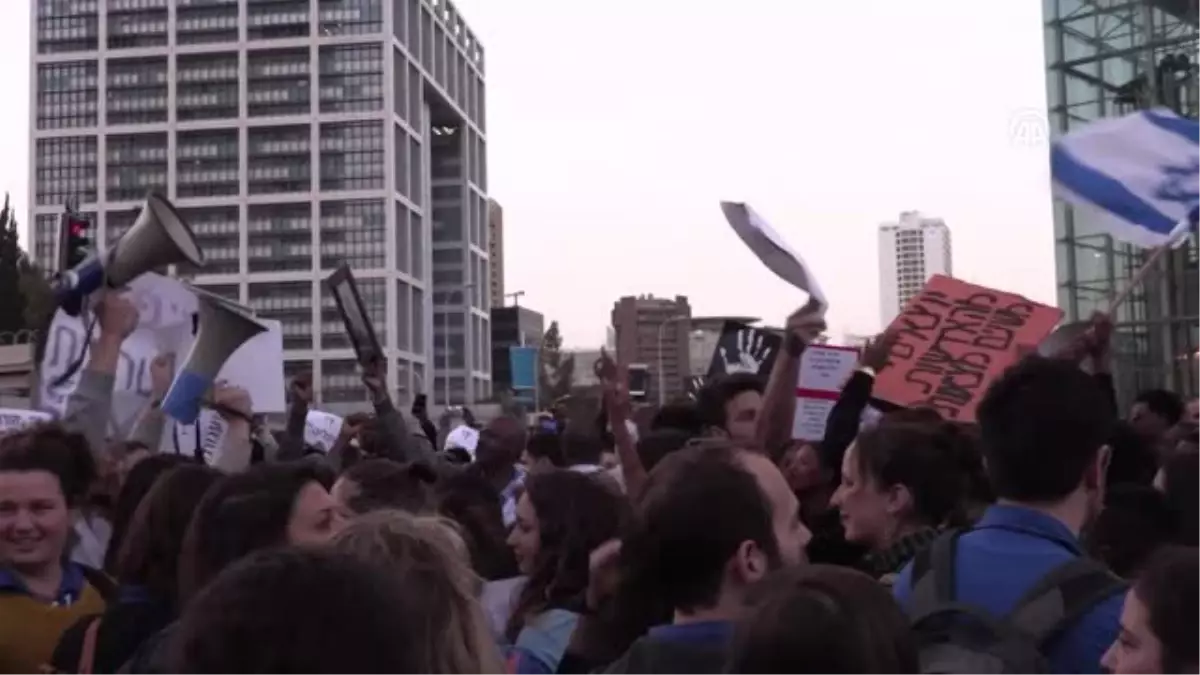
[713, 520]
[1043, 427]
[1154, 412]
[730, 406]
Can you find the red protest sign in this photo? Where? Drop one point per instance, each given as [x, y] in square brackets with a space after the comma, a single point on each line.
[954, 338]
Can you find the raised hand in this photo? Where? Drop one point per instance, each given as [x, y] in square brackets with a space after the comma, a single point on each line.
[877, 352]
[117, 315]
[233, 402]
[161, 374]
[302, 387]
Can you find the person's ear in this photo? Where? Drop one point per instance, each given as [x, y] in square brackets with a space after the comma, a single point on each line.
[750, 562]
[1096, 475]
[898, 500]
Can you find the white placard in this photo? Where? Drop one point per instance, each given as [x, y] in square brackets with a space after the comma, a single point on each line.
[463, 437]
[12, 419]
[771, 249]
[165, 310]
[321, 429]
[209, 431]
[824, 370]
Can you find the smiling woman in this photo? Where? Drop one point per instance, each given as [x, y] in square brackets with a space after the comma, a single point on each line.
[44, 474]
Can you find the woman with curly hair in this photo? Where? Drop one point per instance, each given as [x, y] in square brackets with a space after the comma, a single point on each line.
[561, 518]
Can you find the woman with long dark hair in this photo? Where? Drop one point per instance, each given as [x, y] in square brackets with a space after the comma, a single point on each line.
[562, 516]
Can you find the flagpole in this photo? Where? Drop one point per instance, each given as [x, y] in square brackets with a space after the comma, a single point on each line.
[1177, 234]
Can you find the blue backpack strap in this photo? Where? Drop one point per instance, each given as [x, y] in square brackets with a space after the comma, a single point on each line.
[933, 575]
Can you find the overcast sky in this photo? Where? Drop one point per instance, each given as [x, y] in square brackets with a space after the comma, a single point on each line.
[616, 126]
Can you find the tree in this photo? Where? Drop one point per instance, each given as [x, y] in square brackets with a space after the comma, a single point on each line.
[12, 310]
[557, 371]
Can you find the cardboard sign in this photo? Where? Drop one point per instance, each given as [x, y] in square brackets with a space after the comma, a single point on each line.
[463, 437]
[824, 370]
[954, 338]
[773, 251]
[742, 349]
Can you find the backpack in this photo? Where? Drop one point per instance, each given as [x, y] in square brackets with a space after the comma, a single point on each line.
[954, 637]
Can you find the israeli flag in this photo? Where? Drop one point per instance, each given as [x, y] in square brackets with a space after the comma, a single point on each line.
[1136, 176]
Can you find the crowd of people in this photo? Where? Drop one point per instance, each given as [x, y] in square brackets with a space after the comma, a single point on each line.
[1052, 534]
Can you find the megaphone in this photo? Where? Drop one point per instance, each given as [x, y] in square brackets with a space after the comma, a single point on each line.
[223, 327]
[158, 237]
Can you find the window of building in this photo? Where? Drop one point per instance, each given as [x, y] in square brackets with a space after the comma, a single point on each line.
[350, 17]
[207, 86]
[354, 232]
[66, 95]
[341, 381]
[279, 82]
[67, 26]
[279, 159]
[136, 165]
[206, 21]
[137, 91]
[137, 23]
[352, 156]
[280, 237]
[404, 322]
[206, 163]
[351, 78]
[274, 19]
[216, 230]
[290, 303]
[66, 167]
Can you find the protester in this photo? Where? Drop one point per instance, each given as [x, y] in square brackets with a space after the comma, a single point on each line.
[1179, 481]
[375, 484]
[429, 555]
[1154, 412]
[543, 452]
[729, 406]
[303, 611]
[497, 457]
[266, 506]
[822, 619]
[134, 487]
[147, 572]
[470, 501]
[45, 473]
[1161, 617]
[1043, 426]
[1135, 522]
[562, 516]
[700, 553]
[901, 483]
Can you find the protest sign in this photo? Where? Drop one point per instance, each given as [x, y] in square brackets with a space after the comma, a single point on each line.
[773, 251]
[321, 429]
[824, 369]
[165, 310]
[207, 433]
[12, 419]
[743, 349]
[463, 437]
[953, 339]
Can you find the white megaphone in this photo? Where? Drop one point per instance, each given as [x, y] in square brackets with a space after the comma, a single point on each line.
[158, 237]
[223, 326]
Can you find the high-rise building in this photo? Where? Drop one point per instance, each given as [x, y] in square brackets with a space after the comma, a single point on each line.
[654, 332]
[495, 225]
[293, 135]
[910, 251]
[1107, 59]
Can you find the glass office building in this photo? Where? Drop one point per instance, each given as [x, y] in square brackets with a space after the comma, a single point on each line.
[294, 135]
[1106, 58]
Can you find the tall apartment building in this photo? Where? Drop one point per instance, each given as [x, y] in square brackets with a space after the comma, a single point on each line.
[654, 332]
[910, 251]
[495, 224]
[293, 135]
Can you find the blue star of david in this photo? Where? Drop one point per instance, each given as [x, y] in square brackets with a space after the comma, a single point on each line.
[1181, 184]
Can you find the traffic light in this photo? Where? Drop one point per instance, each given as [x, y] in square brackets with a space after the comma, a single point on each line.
[75, 239]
